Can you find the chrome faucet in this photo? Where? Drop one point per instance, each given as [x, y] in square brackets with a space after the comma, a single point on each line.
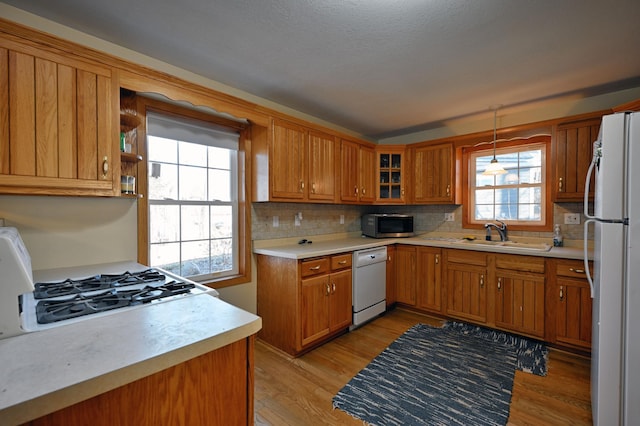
[502, 230]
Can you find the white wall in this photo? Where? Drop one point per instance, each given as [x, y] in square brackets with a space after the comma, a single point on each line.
[73, 231]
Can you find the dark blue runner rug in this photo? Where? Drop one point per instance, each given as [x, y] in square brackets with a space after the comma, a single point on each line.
[454, 375]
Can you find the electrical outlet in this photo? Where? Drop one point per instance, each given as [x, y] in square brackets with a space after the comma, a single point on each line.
[449, 217]
[572, 218]
[341, 219]
[296, 220]
[276, 221]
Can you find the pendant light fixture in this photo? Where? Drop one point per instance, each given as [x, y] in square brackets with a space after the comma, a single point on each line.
[494, 168]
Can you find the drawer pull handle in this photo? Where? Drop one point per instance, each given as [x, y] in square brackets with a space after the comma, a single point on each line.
[314, 268]
[577, 271]
[561, 293]
[342, 262]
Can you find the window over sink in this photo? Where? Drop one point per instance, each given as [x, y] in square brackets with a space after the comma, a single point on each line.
[520, 196]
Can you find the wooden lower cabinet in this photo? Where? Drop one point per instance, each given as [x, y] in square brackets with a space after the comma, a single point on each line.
[212, 389]
[406, 273]
[520, 294]
[466, 277]
[429, 280]
[571, 298]
[391, 275]
[303, 303]
[419, 277]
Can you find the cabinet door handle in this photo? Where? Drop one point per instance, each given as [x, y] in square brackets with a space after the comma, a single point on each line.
[355, 190]
[437, 259]
[328, 289]
[333, 287]
[560, 185]
[363, 191]
[577, 271]
[402, 192]
[301, 186]
[481, 280]
[448, 190]
[561, 293]
[105, 166]
[313, 188]
[499, 283]
[314, 268]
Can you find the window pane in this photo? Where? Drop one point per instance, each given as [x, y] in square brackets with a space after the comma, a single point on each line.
[529, 212]
[484, 212]
[163, 150]
[221, 222]
[485, 196]
[219, 185]
[193, 183]
[221, 255]
[195, 258]
[165, 256]
[163, 181]
[219, 158]
[195, 223]
[192, 154]
[530, 175]
[164, 223]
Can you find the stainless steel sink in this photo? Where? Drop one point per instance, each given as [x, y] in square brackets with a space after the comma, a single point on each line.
[510, 244]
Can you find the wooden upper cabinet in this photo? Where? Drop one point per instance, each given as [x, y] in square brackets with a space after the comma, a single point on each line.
[287, 158]
[298, 163]
[573, 150]
[58, 128]
[322, 181]
[391, 175]
[357, 168]
[433, 174]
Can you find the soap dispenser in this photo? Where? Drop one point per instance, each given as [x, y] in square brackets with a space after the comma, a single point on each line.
[557, 236]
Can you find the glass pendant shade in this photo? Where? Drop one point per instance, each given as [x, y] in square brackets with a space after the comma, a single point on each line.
[494, 168]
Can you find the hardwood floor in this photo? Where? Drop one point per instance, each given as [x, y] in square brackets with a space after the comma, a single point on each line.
[298, 391]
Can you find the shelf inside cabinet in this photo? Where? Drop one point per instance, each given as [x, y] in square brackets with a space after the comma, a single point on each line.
[130, 157]
[128, 121]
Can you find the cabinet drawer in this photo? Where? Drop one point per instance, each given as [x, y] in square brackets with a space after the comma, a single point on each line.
[520, 263]
[467, 257]
[341, 261]
[314, 266]
[572, 268]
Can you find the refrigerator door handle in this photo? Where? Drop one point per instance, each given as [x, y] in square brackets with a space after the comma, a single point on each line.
[586, 254]
[596, 157]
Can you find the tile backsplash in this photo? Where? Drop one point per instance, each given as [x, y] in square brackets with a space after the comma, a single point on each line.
[320, 219]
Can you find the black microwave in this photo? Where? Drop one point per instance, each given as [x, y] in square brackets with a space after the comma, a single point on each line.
[387, 225]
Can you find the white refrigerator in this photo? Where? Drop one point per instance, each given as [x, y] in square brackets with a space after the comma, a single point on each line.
[615, 287]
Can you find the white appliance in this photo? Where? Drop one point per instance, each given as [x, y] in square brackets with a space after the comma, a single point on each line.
[37, 301]
[615, 287]
[369, 284]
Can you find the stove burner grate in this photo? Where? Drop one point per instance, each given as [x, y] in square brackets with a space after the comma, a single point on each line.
[48, 311]
[98, 282]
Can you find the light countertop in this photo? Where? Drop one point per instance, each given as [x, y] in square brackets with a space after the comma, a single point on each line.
[323, 246]
[41, 372]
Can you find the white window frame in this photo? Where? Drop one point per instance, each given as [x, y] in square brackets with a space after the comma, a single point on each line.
[511, 149]
[182, 129]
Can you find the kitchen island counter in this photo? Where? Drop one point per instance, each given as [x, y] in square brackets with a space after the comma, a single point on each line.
[328, 245]
[42, 372]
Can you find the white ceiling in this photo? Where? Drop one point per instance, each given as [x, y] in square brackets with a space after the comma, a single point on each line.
[378, 67]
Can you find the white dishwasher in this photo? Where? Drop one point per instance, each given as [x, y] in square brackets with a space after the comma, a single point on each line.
[369, 284]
